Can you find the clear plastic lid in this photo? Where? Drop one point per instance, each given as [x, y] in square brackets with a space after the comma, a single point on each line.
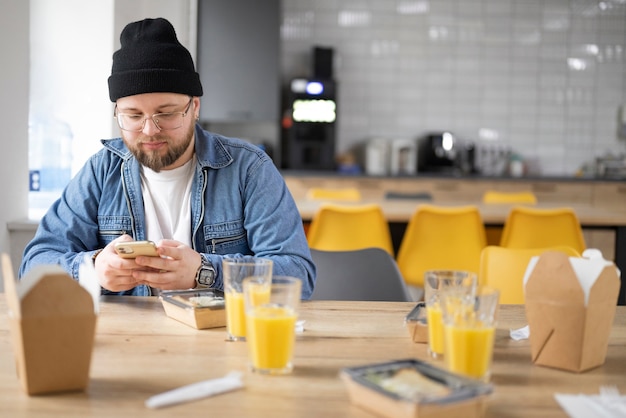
[417, 381]
[417, 314]
[194, 299]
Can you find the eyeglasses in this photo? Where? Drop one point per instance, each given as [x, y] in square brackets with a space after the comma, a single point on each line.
[134, 122]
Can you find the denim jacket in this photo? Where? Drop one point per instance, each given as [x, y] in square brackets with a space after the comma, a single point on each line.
[239, 205]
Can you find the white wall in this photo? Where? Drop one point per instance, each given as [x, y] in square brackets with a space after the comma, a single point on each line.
[14, 50]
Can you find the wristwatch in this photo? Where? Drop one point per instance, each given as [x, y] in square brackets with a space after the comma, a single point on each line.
[205, 276]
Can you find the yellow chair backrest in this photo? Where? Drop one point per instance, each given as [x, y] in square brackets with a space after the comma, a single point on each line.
[492, 196]
[437, 237]
[348, 194]
[336, 227]
[504, 269]
[540, 228]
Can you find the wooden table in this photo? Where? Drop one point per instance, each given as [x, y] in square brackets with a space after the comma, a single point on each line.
[399, 211]
[140, 352]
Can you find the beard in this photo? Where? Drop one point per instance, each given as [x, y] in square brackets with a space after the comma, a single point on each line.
[153, 159]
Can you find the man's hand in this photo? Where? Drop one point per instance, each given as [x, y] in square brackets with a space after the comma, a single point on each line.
[175, 268]
[114, 272]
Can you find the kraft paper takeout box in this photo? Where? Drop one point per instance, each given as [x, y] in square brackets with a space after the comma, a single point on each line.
[416, 323]
[198, 308]
[369, 387]
[52, 321]
[570, 307]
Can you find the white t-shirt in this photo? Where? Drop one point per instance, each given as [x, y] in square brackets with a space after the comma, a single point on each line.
[167, 200]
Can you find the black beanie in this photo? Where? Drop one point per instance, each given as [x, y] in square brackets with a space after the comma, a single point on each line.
[151, 60]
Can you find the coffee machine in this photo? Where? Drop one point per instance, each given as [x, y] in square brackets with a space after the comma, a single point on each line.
[309, 118]
[443, 152]
[309, 125]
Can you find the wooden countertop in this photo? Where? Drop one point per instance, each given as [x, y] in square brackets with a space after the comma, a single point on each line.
[140, 352]
[447, 176]
[401, 210]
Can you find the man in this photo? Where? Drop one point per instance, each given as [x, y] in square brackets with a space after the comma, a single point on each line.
[199, 195]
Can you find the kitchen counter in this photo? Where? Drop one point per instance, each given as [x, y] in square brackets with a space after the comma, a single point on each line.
[443, 175]
[447, 189]
[444, 187]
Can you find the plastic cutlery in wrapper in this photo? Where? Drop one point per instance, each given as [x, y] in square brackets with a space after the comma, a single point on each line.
[196, 391]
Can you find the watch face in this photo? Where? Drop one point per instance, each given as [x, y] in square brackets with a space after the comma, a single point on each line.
[206, 277]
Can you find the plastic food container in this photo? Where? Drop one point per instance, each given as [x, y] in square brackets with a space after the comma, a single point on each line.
[414, 389]
[416, 323]
[201, 308]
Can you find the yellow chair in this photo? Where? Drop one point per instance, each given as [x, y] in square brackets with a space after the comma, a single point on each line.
[539, 228]
[494, 197]
[349, 194]
[337, 227]
[437, 237]
[504, 269]
[491, 197]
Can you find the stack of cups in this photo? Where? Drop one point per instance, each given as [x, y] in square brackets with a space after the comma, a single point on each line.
[461, 321]
[435, 281]
[262, 309]
[234, 271]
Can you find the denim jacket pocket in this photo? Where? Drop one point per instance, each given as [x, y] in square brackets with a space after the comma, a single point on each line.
[111, 227]
[226, 238]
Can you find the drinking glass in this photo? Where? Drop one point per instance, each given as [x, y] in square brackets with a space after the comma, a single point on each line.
[434, 282]
[234, 271]
[271, 313]
[469, 330]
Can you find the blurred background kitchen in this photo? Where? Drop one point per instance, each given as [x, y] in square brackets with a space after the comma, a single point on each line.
[461, 87]
[541, 82]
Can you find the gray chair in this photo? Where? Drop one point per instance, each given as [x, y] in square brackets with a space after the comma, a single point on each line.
[366, 274]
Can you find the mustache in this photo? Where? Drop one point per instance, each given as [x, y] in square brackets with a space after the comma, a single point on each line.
[149, 139]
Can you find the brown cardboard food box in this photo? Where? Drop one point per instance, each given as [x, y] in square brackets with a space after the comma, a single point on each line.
[570, 307]
[416, 323]
[52, 326]
[412, 388]
[200, 309]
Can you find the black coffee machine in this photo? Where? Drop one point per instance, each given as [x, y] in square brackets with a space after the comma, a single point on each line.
[309, 118]
[443, 152]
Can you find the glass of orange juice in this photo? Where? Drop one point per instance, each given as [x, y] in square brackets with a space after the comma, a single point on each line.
[271, 313]
[235, 270]
[469, 330]
[434, 282]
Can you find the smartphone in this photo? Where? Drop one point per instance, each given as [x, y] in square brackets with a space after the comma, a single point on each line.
[131, 249]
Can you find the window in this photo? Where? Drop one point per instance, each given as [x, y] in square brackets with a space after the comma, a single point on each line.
[70, 109]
